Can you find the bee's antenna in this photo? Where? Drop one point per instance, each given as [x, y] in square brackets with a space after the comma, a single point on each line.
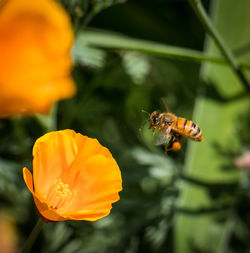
[147, 120]
[145, 112]
[143, 124]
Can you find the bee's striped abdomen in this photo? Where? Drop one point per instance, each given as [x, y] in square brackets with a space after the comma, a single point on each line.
[188, 128]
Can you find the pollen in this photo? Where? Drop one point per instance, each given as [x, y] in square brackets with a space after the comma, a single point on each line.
[59, 194]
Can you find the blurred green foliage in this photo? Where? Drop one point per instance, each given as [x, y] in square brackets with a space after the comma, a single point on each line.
[113, 86]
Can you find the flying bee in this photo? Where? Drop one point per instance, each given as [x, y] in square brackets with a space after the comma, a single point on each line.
[173, 127]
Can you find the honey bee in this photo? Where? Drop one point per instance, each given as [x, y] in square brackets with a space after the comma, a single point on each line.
[172, 126]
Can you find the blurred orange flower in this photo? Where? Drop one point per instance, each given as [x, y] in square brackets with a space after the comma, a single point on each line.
[75, 177]
[35, 42]
[8, 234]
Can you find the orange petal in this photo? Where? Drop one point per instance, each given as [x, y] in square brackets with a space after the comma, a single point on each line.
[97, 184]
[90, 215]
[53, 155]
[87, 147]
[40, 202]
[51, 135]
[27, 176]
[47, 212]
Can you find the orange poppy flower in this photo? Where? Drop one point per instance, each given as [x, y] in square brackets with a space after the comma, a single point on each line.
[35, 42]
[74, 177]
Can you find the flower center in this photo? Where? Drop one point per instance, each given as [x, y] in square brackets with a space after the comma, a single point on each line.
[59, 194]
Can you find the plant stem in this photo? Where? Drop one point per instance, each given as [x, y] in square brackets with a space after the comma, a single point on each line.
[32, 237]
[210, 28]
[48, 122]
[105, 39]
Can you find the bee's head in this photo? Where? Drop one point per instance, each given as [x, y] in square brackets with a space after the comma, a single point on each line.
[154, 119]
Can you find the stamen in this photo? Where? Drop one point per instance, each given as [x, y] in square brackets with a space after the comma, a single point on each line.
[59, 194]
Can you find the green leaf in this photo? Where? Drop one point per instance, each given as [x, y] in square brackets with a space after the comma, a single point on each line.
[88, 56]
[136, 65]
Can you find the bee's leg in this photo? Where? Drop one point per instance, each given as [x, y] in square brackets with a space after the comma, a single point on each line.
[153, 132]
[174, 143]
[179, 138]
[169, 146]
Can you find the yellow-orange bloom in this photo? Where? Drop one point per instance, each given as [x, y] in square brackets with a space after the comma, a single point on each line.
[35, 41]
[74, 177]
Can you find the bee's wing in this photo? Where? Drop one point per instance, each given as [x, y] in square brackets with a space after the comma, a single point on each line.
[165, 104]
[159, 138]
